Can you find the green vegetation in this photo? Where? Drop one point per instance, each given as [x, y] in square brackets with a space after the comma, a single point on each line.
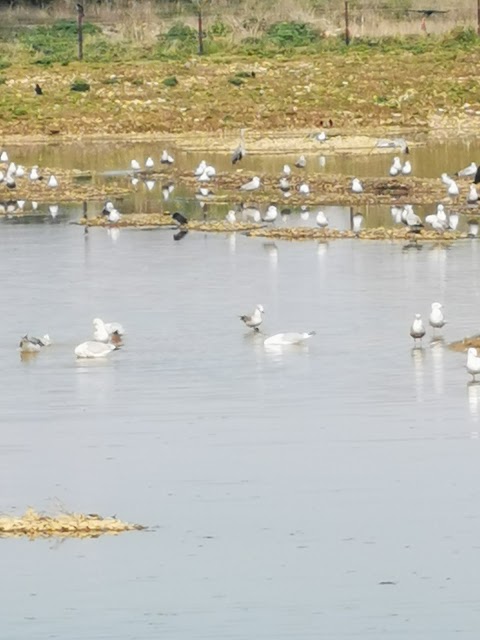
[79, 85]
[171, 81]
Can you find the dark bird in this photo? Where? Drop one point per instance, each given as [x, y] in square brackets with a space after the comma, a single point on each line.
[239, 152]
[476, 180]
[180, 234]
[330, 123]
[80, 10]
[38, 90]
[426, 12]
[178, 217]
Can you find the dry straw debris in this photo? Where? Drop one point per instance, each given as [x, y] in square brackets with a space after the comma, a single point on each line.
[34, 525]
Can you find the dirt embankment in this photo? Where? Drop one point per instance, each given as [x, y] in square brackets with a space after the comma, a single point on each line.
[359, 92]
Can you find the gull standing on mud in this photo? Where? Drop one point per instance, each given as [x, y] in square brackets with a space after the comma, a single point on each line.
[285, 339]
[271, 213]
[357, 186]
[322, 220]
[473, 363]
[472, 197]
[469, 171]
[417, 330]
[396, 167]
[252, 185]
[166, 158]
[256, 319]
[135, 165]
[436, 318]
[301, 163]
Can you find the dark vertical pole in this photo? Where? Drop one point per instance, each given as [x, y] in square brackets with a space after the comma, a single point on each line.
[80, 15]
[200, 31]
[347, 31]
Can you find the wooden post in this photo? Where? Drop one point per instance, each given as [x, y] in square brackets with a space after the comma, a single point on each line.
[80, 16]
[347, 31]
[200, 30]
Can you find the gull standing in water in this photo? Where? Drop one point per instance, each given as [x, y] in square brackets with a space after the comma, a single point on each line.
[417, 330]
[436, 318]
[256, 319]
[252, 185]
[473, 363]
[407, 168]
[92, 349]
[284, 339]
[231, 217]
[114, 216]
[240, 151]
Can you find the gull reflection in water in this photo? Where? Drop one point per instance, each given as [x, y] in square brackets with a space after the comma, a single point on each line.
[322, 247]
[418, 359]
[114, 233]
[473, 392]
[437, 350]
[272, 252]
[232, 242]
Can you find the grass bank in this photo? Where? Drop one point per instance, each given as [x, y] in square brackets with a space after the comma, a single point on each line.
[271, 84]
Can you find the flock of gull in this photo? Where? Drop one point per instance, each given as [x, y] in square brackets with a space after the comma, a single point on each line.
[107, 336]
[437, 321]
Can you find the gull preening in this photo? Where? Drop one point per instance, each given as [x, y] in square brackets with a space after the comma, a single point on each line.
[93, 349]
[252, 185]
[284, 339]
[473, 363]
[33, 345]
[256, 319]
[104, 331]
[417, 330]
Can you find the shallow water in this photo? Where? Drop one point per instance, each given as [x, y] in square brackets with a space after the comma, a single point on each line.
[113, 159]
[282, 487]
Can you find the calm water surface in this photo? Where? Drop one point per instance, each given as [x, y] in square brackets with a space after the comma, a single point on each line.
[281, 488]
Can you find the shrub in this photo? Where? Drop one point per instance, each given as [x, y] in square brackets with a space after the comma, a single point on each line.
[292, 34]
[171, 81]
[79, 85]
